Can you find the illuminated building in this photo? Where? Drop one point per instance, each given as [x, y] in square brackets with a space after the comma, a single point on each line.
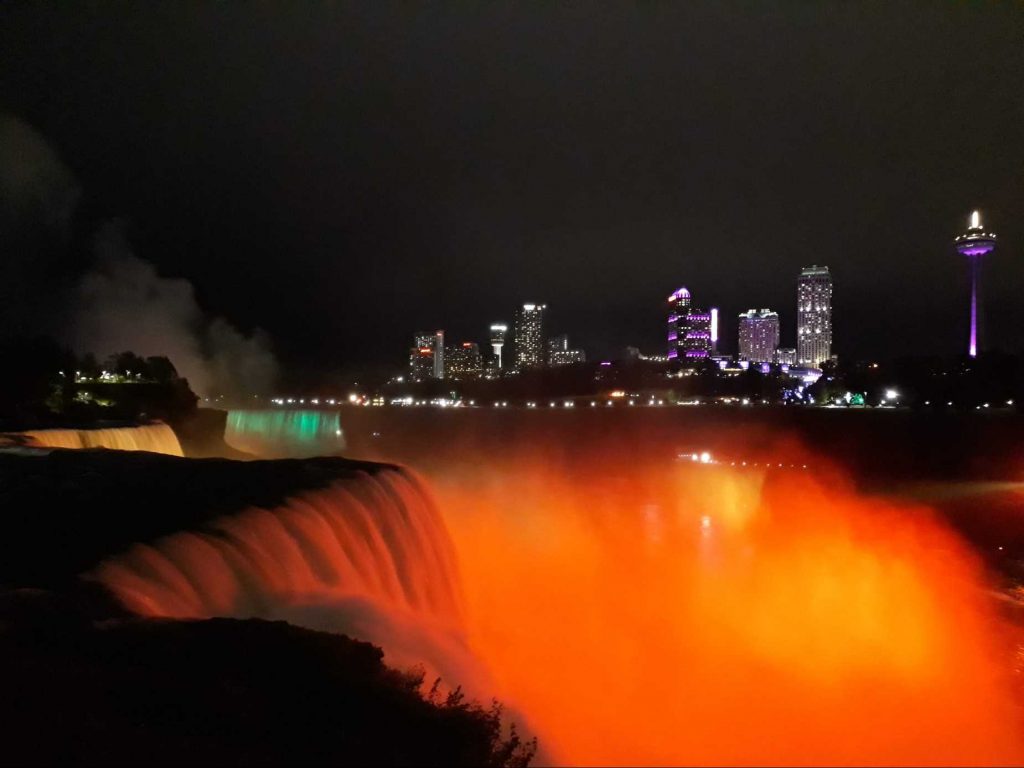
[814, 316]
[714, 330]
[529, 336]
[560, 354]
[438, 354]
[426, 359]
[975, 243]
[421, 357]
[689, 328]
[785, 356]
[759, 335]
[498, 332]
[678, 307]
[463, 361]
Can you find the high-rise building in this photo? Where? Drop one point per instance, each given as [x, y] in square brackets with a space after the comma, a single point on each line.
[678, 306]
[426, 359]
[814, 316]
[759, 335]
[975, 243]
[498, 333]
[689, 328]
[714, 330]
[529, 336]
[560, 354]
[438, 354]
[463, 361]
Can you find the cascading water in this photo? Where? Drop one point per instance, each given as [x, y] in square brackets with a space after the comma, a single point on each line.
[368, 556]
[285, 433]
[155, 438]
[635, 612]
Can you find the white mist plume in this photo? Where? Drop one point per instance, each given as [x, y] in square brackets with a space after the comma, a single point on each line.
[124, 304]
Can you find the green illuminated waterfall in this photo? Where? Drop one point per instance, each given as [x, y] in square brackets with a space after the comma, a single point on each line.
[285, 433]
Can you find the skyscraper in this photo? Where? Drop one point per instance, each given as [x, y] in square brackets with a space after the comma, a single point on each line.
[759, 335]
[689, 328]
[426, 359]
[438, 354]
[678, 306]
[529, 336]
[975, 243]
[814, 316]
[498, 332]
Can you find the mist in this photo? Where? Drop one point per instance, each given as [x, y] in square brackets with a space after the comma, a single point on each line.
[123, 303]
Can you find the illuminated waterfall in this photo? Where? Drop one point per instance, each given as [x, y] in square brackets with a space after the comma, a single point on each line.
[156, 438]
[368, 556]
[637, 612]
[285, 433]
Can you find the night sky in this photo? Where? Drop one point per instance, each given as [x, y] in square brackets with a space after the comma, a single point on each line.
[343, 175]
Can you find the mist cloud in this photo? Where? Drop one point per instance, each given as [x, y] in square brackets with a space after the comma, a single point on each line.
[123, 303]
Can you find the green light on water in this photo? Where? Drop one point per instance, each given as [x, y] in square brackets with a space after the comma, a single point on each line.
[300, 432]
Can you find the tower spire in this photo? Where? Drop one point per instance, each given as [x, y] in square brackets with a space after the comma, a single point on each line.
[975, 243]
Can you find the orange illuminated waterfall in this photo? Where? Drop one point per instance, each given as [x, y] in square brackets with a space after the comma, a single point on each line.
[157, 438]
[368, 556]
[636, 612]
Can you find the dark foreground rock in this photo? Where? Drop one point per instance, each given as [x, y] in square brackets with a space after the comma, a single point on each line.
[85, 683]
[219, 692]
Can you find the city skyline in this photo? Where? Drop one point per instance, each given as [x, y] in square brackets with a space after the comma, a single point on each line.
[633, 176]
[693, 332]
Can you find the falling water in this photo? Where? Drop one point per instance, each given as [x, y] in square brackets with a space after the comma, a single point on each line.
[635, 612]
[368, 556]
[285, 433]
[156, 438]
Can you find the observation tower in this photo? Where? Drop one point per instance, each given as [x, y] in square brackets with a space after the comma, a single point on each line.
[975, 243]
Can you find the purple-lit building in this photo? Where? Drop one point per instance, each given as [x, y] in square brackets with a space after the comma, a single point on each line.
[759, 335]
[975, 243]
[689, 328]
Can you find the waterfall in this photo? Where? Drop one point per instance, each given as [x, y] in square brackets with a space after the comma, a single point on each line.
[156, 438]
[285, 433]
[368, 556]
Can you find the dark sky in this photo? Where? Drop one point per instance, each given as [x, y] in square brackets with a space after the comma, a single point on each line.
[343, 175]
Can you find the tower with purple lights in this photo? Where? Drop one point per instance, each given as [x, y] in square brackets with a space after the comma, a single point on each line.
[975, 243]
[691, 331]
[678, 307]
